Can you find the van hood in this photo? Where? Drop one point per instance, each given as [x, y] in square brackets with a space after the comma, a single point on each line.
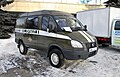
[81, 36]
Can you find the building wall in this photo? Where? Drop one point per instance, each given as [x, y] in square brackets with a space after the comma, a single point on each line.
[34, 5]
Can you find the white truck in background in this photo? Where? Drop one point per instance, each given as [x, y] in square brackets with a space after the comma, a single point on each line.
[104, 23]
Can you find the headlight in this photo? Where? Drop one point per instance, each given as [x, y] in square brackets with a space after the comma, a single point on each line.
[76, 44]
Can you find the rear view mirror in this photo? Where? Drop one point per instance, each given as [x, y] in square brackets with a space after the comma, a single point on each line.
[85, 27]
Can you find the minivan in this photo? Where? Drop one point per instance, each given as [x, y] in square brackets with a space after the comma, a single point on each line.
[59, 34]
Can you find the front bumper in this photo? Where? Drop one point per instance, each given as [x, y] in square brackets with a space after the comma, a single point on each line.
[92, 53]
[89, 50]
[78, 54]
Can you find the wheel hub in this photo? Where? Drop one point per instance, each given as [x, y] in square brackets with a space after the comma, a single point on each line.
[54, 58]
[21, 48]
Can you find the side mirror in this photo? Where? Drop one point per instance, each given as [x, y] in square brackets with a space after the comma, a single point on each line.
[85, 27]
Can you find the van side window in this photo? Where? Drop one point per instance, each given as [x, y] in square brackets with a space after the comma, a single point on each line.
[32, 22]
[20, 22]
[52, 22]
[45, 21]
[117, 25]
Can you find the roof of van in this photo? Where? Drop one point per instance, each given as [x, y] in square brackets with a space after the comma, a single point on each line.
[50, 12]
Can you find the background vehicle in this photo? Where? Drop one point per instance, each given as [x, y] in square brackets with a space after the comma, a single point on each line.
[104, 23]
[58, 33]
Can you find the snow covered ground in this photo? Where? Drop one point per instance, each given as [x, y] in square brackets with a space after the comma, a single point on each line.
[12, 64]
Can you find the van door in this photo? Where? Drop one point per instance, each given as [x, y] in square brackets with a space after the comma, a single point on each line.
[32, 31]
[46, 38]
[115, 39]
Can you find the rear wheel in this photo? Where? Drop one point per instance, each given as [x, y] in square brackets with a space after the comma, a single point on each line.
[56, 58]
[22, 48]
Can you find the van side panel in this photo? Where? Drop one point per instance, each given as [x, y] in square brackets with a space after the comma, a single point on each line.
[20, 23]
[97, 21]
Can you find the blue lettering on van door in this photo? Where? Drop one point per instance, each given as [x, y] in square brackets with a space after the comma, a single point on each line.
[117, 32]
[117, 37]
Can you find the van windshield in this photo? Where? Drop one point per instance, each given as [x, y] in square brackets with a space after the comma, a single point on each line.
[67, 21]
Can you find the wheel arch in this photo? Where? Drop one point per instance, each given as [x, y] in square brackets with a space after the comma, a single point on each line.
[53, 47]
[20, 40]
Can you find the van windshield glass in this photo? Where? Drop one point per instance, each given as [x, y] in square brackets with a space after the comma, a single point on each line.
[67, 21]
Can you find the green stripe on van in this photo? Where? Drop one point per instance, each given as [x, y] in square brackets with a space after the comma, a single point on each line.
[117, 41]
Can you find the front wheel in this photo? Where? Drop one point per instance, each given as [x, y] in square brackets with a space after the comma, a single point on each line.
[56, 58]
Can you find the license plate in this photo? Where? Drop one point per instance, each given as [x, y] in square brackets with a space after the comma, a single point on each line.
[92, 49]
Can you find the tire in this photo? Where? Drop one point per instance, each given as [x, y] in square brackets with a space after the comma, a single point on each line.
[22, 48]
[56, 58]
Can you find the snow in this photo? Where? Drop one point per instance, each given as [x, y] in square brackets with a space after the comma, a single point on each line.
[12, 64]
[8, 44]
